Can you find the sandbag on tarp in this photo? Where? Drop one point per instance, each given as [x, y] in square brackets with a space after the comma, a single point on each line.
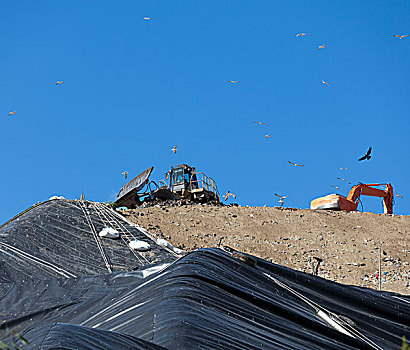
[139, 245]
[211, 299]
[108, 232]
[69, 337]
[59, 238]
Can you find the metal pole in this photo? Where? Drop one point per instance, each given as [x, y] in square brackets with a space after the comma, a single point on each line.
[380, 268]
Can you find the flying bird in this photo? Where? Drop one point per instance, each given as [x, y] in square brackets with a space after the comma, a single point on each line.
[125, 173]
[59, 82]
[400, 36]
[228, 194]
[267, 136]
[367, 155]
[399, 195]
[147, 18]
[335, 187]
[281, 200]
[233, 81]
[339, 178]
[324, 82]
[12, 113]
[321, 46]
[301, 34]
[260, 123]
[295, 163]
[175, 149]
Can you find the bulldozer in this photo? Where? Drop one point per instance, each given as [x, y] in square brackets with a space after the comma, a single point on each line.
[339, 202]
[184, 183]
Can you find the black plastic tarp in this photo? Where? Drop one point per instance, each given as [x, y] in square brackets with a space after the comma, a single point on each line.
[69, 337]
[206, 300]
[59, 238]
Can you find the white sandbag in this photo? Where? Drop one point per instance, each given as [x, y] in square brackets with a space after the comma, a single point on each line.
[139, 245]
[164, 243]
[108, 232]
[55, 197]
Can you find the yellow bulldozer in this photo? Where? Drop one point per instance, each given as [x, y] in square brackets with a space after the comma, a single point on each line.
[183, 183]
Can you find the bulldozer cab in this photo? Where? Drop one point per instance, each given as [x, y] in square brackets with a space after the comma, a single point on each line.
[182, 179]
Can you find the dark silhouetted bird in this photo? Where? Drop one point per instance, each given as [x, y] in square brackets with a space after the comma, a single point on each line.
[367, 155]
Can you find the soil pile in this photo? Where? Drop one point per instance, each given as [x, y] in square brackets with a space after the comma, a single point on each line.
[346, 242]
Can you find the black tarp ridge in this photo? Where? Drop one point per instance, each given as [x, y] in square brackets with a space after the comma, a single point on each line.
[59, 238]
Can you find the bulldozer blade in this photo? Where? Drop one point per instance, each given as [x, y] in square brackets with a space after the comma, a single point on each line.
[128, 195]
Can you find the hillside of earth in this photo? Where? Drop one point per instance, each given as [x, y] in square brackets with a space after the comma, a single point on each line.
[347, 242]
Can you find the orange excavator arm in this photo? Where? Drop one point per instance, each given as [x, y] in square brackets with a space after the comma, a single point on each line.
[369, 190]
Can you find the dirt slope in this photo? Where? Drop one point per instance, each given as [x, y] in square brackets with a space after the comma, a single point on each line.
[347, 242]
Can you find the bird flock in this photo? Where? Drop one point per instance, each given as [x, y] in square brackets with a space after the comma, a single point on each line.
[367, 156]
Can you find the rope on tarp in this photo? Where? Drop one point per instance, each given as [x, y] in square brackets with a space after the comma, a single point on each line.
[326, 315]
[95, 235]
[120, 221]
[99, 208]
[39, 261]
[113, 213]
[402, 299]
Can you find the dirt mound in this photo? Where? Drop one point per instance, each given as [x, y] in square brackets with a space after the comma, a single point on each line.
[347, 242]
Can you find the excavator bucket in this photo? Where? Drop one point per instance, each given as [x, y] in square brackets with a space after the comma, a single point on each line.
[333, 202]
[128, 196]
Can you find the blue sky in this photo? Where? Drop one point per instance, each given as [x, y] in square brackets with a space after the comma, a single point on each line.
[133, 89]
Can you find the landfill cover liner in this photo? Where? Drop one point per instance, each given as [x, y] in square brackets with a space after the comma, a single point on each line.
[60, 238]
[209, 299]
